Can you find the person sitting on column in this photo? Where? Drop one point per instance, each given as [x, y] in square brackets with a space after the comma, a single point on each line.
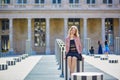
[91, 51]
[73, 48]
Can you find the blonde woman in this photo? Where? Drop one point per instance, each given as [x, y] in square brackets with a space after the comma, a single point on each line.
[73, 48]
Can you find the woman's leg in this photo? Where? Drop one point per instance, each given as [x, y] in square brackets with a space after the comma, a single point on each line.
[73, 65]
[69, 61]
[107, 54]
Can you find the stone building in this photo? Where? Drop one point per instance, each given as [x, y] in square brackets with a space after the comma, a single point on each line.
[43, 21]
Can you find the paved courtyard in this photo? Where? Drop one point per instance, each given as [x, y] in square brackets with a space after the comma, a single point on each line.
[45, 67]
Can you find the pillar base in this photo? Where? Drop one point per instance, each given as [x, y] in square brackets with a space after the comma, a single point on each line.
[47, 51]
[11, 50]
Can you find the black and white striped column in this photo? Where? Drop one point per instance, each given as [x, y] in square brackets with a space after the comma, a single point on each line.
[11, 62]
[3, 66]
[87, 76]
[96, 56]
[103, 57]
[17, 59]
[113, 60]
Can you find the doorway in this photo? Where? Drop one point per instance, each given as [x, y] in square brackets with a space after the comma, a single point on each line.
[109, 33]
[39, 35]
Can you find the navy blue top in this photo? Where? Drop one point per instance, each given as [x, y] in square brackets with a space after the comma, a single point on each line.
[72, 46]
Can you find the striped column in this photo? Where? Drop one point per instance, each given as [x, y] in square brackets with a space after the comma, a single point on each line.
[87, 76]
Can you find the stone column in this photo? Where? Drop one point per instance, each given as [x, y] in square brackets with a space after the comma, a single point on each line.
[29, 35]
[85, 34]
[29, 29]
[85, 29]
[65, 27]
[11, 2]
[113, 3]
[119, 27]
[11, 33]
[103, 29]
[47, 36]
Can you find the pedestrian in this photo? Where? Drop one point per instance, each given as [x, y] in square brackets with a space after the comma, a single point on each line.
[100, 51]
[91, 51]
[73, 48]
[107, 50]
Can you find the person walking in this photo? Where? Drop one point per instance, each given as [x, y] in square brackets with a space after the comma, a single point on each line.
[100, 51]
[73, 48]
[107, 50]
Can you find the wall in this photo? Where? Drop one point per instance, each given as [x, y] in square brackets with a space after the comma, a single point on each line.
[19, 34]
[94, 30]
[56, 31]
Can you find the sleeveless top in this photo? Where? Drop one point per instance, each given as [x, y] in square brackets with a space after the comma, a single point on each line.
[72, 47]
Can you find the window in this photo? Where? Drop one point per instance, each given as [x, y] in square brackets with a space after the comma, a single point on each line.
[5, 43]
[56, 1]
[107, 1]
[5, 25]
[109, 30]
[110, 1]
[39, 32]
[73, 1]
[104, 1]
[39, 1]
[4, 1]
[22, 1]
[90, 1]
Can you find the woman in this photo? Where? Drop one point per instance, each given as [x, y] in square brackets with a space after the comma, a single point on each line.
[100, 51]
[107, 50]
[73, 48]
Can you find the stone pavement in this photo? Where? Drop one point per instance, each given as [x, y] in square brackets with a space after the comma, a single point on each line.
[20, 70]
[91, 68]
[45, 67]
[104, 65]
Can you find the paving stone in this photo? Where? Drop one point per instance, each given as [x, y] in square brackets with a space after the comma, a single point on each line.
[47, 69]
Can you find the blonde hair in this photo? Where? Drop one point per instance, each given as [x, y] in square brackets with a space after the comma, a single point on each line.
[76, 31]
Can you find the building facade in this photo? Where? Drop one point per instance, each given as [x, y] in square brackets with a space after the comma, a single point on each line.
[43, 21]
